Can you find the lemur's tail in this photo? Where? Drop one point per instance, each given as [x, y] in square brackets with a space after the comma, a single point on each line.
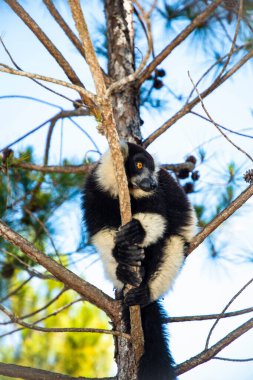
[156, 362]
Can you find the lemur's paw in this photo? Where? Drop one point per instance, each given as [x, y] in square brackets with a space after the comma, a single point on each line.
[131, 233]
[129, 274]
[131, 255]
[137, 296]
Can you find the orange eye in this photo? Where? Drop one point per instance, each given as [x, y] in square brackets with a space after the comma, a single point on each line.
[139, 165]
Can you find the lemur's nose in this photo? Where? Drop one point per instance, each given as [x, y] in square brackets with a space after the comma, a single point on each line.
[148, 184]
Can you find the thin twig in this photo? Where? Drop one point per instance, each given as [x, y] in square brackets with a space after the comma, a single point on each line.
[215, 124]
[197, 318]
[223, 311]
[198, 20]
[30, 326]
[240, 12]
[220, 218]
[77, 169]
[16, 290]
[61, 115]
[221, 126]
[87, 94]
[187, 107]
[54, 52]
[88, 291]
[34, 80]
[206, 355]
[234, 360]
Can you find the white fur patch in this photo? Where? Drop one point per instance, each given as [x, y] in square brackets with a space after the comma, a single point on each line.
[104, 242]
[162, 280]
[105, 172]
[105, 175]
[189, 231]
[154, 226]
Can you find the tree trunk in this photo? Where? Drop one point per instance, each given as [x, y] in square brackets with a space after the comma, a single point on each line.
[121, 63]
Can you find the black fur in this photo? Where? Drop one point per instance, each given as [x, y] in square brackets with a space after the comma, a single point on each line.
[136, 263]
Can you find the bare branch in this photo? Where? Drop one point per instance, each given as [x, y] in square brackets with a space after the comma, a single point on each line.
[84, 93]
[77, 169]
[187, 107]
[28, 373]
[234, 360]
[65, 27]
[225, 308]
[30, 326]
[240, 13]
[222, 126]
[61, 115]
[16, 290]
[206, 355]
[54, 52]
[194, 318]
[219, 219]
[71, 280]
[34, 80]
[181, 37]
[90, 54]
[215, 124]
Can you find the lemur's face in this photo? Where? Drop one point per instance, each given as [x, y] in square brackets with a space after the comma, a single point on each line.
[141, 172]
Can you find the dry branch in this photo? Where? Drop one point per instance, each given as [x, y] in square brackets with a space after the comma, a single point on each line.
[225, 308]
[109, 127]
[33, 326]
[196, 318]
[77, 169]
[219, 219]
[70, 279]
[84, 93]
[54, 52]
[215, 124]
[206, 355]
[199, 20]
[188, 107]
[28, 373]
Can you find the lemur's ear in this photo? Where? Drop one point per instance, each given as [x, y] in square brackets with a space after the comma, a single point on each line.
[124, 149]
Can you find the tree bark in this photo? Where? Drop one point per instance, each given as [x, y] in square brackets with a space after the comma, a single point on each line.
[121, 63]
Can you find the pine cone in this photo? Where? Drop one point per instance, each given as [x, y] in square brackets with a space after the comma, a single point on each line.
[248, 176]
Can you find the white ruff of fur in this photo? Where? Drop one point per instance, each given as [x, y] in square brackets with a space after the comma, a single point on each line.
[104, 242]
[154, 226]
[189, 231]
[172, 261]
[105, 175]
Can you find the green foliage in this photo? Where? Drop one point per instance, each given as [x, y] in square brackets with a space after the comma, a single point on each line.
[28, 200]
[76, 354]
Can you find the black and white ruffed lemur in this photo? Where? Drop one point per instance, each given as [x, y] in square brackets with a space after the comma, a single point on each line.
[154, 240]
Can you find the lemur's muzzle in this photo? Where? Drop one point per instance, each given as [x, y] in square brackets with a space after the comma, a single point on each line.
[148, 184]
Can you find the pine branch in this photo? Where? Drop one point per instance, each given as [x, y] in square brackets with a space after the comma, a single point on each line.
[54, 52]
[219, 219]
[199, 20]
[206, 355]
[196, 318]
[28, 373]
[70, 279]
[188, 107]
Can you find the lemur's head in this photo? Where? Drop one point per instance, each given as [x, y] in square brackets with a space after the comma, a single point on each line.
[140, 169]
